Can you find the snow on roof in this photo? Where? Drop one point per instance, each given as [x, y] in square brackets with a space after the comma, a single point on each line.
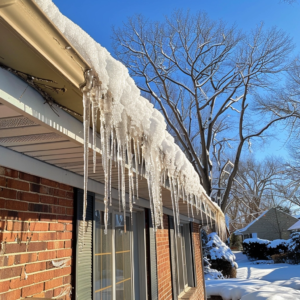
[132, 117]
[240, 231]
[295, 226]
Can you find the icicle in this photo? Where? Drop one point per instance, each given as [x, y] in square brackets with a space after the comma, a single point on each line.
[173, 205]
[151, 202]
[119, 175]
[188, 206]
[123, 183]
[136, 170]
[95, 107]
[110, 165]
[86, 124]
[192, 209]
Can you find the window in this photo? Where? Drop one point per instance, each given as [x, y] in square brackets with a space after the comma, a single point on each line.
[181, 253]
[117, 274]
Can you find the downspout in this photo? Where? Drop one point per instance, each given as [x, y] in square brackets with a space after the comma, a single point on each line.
[200, 228]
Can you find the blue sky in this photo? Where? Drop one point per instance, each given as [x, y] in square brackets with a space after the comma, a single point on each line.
[97, 17]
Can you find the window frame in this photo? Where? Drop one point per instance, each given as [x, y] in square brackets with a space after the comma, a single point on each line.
[138, 262]
[186, 241]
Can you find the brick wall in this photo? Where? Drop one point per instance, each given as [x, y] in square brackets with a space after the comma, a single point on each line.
[36, 228]
[163, 262]
[199, 294]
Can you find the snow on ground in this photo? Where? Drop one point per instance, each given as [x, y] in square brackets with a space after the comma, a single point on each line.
[258, 281]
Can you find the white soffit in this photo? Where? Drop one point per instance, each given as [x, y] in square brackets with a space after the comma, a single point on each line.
[35, 140]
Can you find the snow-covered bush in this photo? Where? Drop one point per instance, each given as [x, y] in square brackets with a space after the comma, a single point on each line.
[294, 248]
[219, 250]
[209, 273]
[256, 248]
[277, 247]
[220, 256]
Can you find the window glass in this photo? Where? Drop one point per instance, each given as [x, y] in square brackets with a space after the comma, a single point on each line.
[103, 257]
[180, 261]
[123, 257]
[182, 269]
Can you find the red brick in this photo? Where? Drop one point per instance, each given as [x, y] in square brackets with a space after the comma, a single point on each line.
[37, 246]
[30, 197]
[18, 282]
[45, 255]
[69, 227]
[62, 271]
[65, 219]
[55, 245]
[4, 286]
[38, 226]
[30, 268]
[10, 272]
[49, 294]
[3, 181]
[49, 182]
[65, 187]
[6, 261]
[9, 194]
[9, 172]
[53, 283]
[28, 216]
[56, 226]
[58, 210]
[59, 193]
[16, 294]
[15, 248]
[17, 226]
[69, 211]
[47, 236]
[43, 276]
[3, 225]
[67, 279]
[70, 195]
[25, 258]
[64, 253]
[29, 236]
[64, 235]
[68, 244]
[48, 199]
[65, 202]
[28, 177]
[38, 207]
[16, 205]
[33, 289]
[17, 184]
[47, 217]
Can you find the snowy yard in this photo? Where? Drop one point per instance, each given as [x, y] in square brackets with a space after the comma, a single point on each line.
[258, 281]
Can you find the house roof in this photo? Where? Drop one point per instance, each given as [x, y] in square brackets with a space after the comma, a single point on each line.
[240, 231]
[33, 45]
[295, 226]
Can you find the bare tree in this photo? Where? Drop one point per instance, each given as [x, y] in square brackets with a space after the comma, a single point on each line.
[283, 102]
[257, 187]
[202, 74]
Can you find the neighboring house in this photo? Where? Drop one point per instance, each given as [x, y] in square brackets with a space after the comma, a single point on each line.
[47, 250]
[295, 227]
[270, 225]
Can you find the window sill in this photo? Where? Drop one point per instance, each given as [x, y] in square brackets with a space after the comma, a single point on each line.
[187, 293]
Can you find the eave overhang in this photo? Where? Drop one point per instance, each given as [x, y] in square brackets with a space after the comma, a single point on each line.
[31, 43]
